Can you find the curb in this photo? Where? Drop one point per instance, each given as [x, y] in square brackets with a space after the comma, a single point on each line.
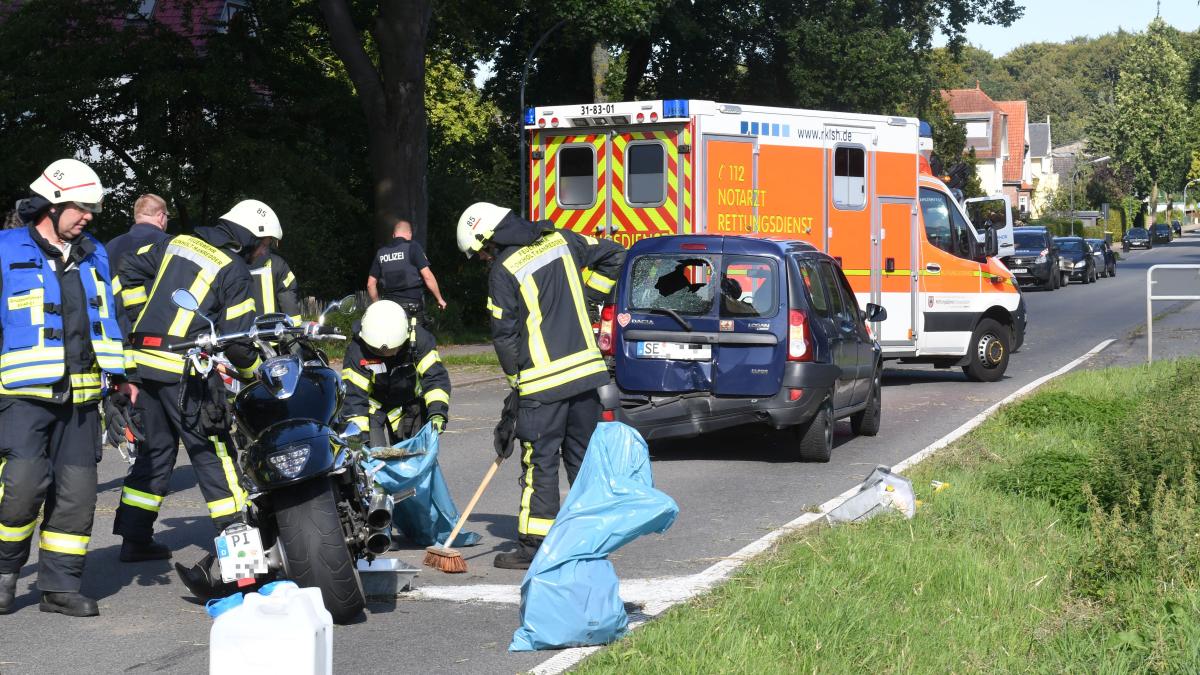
[719, 572]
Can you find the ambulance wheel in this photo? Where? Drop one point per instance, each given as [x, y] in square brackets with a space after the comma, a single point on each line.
[866, 421]
[816, 437]
[315, 554]
[990, 346]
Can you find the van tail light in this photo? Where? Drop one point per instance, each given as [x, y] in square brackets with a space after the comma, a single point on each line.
[800, 345]
[606, 341]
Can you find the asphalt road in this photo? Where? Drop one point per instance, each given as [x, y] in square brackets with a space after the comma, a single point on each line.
[731, 488]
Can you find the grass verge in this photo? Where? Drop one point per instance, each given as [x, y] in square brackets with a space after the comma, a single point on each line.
[1068, 541]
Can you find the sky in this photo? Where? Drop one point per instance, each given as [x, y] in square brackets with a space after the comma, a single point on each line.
[1061, 20]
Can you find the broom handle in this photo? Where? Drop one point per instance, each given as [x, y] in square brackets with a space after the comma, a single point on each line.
[462, 520]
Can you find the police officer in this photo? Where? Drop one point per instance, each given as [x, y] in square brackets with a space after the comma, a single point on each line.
[59, 333]
[274, 285]
[175, 404]
[149, 227]
[543, 337]
[390, 369]
[400, 272]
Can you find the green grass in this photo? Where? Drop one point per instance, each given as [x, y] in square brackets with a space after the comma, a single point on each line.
[1068, 541]
[484, 359]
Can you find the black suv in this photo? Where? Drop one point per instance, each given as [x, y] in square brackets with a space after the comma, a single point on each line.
[1077, 256]
[1161, 233]
[1135, 237]
[710, 332]
[1035, 260]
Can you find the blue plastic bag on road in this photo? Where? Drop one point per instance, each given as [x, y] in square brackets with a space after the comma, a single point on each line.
[570, 595]
[427, 517]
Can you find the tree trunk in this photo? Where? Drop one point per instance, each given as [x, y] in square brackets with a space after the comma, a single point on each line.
[638, 58]
[1153, 205]
[392, 95]
[601, 60]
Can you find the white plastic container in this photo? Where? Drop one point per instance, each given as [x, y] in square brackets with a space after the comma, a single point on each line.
[288, 631]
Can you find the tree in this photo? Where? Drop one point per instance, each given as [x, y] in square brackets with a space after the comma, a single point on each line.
[387, 67]
[1145, 126]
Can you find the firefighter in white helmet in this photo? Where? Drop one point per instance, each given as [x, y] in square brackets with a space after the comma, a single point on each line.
[55, 344]
[274, 284]
[395, 380]
[212, 265]
[552, 362]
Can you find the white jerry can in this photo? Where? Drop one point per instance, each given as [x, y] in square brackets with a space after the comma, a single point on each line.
[288, 631]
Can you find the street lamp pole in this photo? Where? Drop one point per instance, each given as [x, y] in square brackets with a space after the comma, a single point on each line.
[521, 127]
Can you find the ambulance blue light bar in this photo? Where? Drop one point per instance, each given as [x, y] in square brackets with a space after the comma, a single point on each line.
[926, 129]
[676, 107]
[530, 116]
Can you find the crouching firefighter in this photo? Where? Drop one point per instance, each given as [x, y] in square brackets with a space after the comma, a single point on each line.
[395, 380]
[540, 280]
[177, 404]
[59, 334]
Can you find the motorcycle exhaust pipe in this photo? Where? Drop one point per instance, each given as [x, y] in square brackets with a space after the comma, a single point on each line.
[379, 540]
[379, 510]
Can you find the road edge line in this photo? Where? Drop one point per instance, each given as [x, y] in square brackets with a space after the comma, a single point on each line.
[706, 580]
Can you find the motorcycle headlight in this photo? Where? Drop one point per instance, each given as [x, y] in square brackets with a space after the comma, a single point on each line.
[290, 460]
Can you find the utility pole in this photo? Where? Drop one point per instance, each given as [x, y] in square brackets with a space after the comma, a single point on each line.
[522, 164]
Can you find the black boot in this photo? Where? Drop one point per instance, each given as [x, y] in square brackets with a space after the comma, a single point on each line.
[519, 559]
[71, 604]
[141, 551]
[8, 591]
[204, 579]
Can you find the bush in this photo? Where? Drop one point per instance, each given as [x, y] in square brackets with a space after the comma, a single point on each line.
[1059, 476]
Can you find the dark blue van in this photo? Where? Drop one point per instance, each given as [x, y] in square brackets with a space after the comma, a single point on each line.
[709, 332]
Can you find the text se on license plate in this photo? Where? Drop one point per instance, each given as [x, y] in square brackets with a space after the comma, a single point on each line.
[679, 351]
[240, 552]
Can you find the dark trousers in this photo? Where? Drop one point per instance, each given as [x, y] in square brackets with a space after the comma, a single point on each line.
[548, 431]
[147, 483]
[48, 455]
[392, 424]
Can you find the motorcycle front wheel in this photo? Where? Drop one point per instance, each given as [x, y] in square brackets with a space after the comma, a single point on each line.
[315, 554]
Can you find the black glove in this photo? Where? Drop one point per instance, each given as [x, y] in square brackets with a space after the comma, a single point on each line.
[506, 428]
[121, 420]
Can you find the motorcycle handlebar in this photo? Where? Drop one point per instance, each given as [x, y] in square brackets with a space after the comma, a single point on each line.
[206, 340]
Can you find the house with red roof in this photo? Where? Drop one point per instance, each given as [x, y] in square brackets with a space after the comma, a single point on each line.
[998, 133]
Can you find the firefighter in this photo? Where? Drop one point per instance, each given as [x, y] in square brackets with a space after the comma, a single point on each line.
[392, 370]
[540, 280]
[59, 333]
[176, 404]
[274, 284]
[149, 227]
[400, 273]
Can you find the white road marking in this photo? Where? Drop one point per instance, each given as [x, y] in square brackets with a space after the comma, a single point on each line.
[657, 595]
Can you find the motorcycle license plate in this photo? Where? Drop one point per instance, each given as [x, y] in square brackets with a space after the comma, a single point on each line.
[1018, 270]
[679, 351]
[240, 553]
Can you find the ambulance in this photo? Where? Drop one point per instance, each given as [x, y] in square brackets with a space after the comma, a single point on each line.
[858, 187]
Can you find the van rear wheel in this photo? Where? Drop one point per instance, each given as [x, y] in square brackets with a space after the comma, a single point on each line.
[816, 437]
[990, 347]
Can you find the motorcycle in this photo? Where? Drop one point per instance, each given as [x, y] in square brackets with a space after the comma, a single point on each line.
[311, 509]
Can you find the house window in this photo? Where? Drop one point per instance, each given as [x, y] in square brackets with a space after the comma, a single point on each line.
[144, 9]
[1023, 203]
[849, 177]
[977, 129]
[576, 177]
[233, 10]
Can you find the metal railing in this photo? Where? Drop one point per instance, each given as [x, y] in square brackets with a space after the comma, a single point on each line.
[1150, 298]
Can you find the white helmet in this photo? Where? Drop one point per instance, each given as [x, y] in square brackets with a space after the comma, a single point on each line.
[256, 217]
[384, 326]
[476, 225]
[70, 180]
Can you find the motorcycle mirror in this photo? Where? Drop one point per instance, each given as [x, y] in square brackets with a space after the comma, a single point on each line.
[351, 430]
[347, 304]
[183, 299]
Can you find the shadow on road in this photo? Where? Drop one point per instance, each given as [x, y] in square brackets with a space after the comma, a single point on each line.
[755, 443]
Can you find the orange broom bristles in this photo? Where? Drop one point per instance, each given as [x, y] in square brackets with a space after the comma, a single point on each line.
[445, 560]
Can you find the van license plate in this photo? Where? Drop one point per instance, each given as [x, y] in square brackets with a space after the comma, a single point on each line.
[1018, 270]
[679, 351]
[240, 552]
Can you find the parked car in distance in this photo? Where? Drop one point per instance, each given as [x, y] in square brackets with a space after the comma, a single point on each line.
[1035, 259]
[1106, 259]
[1136, 237]
[708, 332]
[1077, 255]
[1161, 234]
[1177, 228]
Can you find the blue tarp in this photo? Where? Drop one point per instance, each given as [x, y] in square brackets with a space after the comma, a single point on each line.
[570, 594]
[427, 517]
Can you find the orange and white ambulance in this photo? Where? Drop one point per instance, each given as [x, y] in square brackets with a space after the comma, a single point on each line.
[856, 186]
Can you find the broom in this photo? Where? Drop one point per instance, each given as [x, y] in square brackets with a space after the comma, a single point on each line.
[445, 558]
